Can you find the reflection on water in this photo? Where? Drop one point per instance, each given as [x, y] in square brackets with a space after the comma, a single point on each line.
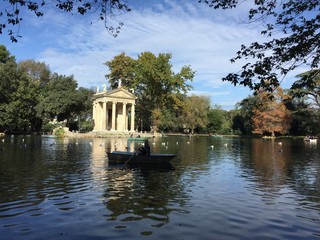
[216, 188]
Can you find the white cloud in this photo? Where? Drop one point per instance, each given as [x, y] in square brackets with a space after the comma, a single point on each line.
[194, 34]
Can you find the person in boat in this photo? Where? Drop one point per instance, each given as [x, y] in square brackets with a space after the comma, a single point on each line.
[145, 149]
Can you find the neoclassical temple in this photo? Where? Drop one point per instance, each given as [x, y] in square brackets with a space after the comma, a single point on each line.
[112, 110]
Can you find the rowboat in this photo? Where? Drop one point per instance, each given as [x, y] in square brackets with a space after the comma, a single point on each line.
[122, 157]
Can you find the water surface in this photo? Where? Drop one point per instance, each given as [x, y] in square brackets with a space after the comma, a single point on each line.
[216, 188]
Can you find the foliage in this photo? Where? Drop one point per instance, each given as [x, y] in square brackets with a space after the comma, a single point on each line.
[86, 126]
[195, 112]
[85, 108]
[166, 119]
[59, 132]
[18, 95]
[216, 120]
[11, 12]
[297, 24]
[308, 85]
[270, 115]
[22, 107]
[61, 99]
[38, 71]
[9, 75]
[243, 119]
[30, 95]
[47, 127]
[121, 68]
[157, 87]
[305, 119]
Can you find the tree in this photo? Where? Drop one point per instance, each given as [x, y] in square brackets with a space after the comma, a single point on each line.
[270, 115]
[159, 90]
[297, 23]
[37, 71]
[216, 120]
[11, 11]
[195, 112]
[308, 85]
[8, 74]
[21, 112]
[18, 97]
[158, 87]
[305, 119]
[61, 100]
[85, 110]
[243, 121]
[121, 69]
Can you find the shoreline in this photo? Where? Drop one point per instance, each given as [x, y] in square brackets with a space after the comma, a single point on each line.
[144, 134]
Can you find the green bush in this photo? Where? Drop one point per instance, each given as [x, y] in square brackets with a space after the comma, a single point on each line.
[48, 127]
[59, 132]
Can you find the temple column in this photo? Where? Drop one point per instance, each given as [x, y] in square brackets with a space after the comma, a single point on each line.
[98, 115]
[113, 123]
[104, 116]
[132, 118]
[94, 115]
[107, 116]
[124, 113]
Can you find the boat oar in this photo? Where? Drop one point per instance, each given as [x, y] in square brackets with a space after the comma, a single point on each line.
[131, 155]
[129, 158]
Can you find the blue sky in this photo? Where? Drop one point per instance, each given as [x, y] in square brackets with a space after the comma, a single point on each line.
[194, 34]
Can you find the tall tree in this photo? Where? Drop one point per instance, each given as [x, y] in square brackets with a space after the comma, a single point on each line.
[308, 85]
[216, 120]
[292, 30]
[243, 121]
[85, 96]
[18, 97]
[21, 113]
[305, 119]
[195, 112]
[11, 12]
[157, 87]
[270, 115]
[121, 69]
[9, 74]
[37, 71]
[62, 99]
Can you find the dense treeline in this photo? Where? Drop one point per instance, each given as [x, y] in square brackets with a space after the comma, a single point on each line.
[271, 113]
[31, 96]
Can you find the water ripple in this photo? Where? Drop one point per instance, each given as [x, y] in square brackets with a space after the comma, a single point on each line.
[245, 190]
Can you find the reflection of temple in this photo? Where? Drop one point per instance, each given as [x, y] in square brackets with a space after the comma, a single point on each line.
[111, 110]
[98, 159]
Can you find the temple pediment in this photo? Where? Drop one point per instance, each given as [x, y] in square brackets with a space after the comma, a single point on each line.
[119, 93]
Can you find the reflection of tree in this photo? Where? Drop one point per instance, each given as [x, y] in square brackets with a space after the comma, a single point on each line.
[269, 158]
[33, 169]
[276, 167]
[305, 172]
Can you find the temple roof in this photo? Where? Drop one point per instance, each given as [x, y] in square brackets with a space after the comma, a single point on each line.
[118, 93]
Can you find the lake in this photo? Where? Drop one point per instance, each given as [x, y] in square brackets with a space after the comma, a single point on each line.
[215, 188]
